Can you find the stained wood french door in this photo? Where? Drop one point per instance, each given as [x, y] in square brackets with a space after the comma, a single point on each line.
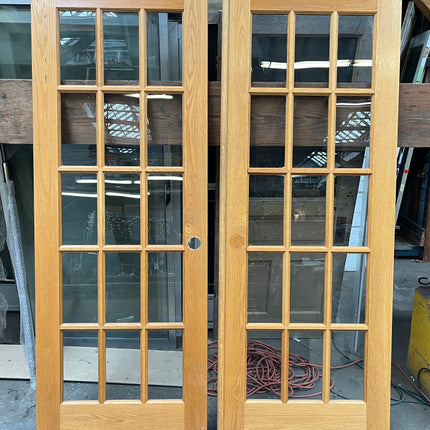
[120, 113]
[309, 124]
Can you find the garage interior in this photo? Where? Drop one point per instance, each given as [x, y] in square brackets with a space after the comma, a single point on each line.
[412, 252]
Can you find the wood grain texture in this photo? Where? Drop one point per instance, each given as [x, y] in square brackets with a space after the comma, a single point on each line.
[46, 212]
[16, 111]
[379, 293]
[184, 121]
[150, 5]
[321, 121]
[161, 415]
[307, 415]
[313, 6]
[235, 132]
[195, 209]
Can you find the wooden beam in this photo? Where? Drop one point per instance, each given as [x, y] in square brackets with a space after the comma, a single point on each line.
[16, 111]
[424, 7]
[16, 117]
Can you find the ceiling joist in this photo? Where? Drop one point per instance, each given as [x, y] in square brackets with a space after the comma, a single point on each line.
[424, 6]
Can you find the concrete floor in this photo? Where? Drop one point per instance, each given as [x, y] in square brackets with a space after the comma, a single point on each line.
[17, 402]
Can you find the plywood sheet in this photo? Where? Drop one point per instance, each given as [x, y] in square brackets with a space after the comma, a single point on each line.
[165, 366]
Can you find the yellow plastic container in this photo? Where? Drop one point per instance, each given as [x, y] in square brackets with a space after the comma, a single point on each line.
[419, 342]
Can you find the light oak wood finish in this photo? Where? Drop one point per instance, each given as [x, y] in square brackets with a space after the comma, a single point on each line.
[124, 5]
[46, 209]
[373, 412]
[309, 415]
[381, 203]
[314, 6]
[237, 21]
[52, 412]
[114, 415]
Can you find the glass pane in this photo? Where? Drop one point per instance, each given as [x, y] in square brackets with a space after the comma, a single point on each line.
[80, 287]
[265, 287]
[266, 210]
[350, 210]
[308, 210]
[122, 381]
[267, 131]
[353, 117]
[311, 68]
[121, 48]
[310, 132]
[122, 209]
[347, 366]
[269, 50]
[78, 129]
[165, 209]
[164, 129]
[264, 363]
[164, 32]
[165, 364]
[79, 208]
[122, 129]
[78, 47]
[15, 37]
[355, 51]
[164, 287]
[305, 365]
[122, 287]
[307, 288]
[349, 288]
[80, 365]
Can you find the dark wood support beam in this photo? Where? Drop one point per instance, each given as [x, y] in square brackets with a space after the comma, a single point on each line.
[424, 7]
[16, 117]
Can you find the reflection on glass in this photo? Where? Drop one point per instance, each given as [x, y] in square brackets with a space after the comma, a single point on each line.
[164, 129]
[79, 208]
[353, 117]
[165, 364]
[267, 131]
[122, 287]
[165, 209]
[308, 210]
[264, 287]
[311, 68]
[350, 210]
[307, 288]
[164, 287]
[305, 364]
[349, 288]
[310, 132]
[80, 365]
[122, 381]
[266, 210]
[121, 47]
[78, 129]
[264, 365]
[355, 51]
[347, 347]
[80, 287]
[164, 33]
[78, 47]
[122, 209]
[122, 129]
[15, 37]
[269, 49]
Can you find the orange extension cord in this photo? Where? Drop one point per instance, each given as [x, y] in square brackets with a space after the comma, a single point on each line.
[264, 371]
